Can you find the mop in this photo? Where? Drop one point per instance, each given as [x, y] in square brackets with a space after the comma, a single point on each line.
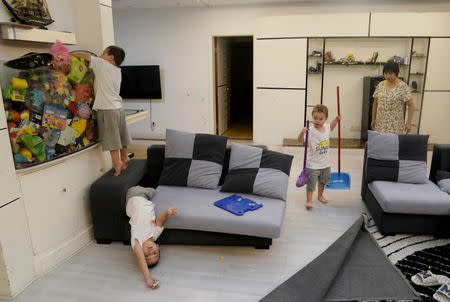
[303, 177]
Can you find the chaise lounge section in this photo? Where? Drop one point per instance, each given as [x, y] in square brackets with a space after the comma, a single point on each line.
[198, 221]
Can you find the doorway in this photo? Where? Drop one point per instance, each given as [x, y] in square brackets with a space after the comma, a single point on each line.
[234, 86]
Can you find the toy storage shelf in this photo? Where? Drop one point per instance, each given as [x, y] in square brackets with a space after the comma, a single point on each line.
[360, 64]
[29, 33]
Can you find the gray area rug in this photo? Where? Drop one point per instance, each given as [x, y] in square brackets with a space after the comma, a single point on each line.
[412, 254]
[353, 268]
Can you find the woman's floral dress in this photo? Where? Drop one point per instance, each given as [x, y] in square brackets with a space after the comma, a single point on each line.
[391, 107]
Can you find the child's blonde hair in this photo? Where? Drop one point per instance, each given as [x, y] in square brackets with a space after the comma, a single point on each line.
[320, 109]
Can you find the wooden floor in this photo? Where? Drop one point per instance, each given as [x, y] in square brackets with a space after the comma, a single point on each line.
[240, 130]
[190, 273]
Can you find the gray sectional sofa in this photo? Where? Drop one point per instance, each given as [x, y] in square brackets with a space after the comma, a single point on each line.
[198, 222]
[401, 205]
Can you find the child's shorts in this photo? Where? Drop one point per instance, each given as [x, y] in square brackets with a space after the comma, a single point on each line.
[112, 129]
[320, 175]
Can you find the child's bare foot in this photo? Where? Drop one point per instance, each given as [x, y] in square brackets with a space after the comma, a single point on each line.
[322, 199]
[117, 168]
[309, 205]
[125, 163]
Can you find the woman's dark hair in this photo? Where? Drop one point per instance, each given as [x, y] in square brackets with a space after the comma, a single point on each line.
[391, 67]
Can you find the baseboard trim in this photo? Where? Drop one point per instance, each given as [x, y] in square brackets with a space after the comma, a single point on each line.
[47, 261]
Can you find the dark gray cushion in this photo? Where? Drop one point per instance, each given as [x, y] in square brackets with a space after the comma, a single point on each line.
[257, 171]
[443, 180]
[404, 198]
[196, 211]
[193, 160]
[400, 158]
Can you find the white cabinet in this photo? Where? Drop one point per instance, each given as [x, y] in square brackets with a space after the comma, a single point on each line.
[435, 121]
[57, 200]
[280, 63]
[438, 70]
[16, 258]
[410, 24]
[278, 114]
[8, 180]
[310, 25]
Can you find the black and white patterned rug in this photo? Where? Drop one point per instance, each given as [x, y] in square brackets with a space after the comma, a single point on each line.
[415, 253]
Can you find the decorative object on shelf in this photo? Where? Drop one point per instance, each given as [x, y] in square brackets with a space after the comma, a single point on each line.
[315, 70]
[414, 86]
[349, 60]
[397, 59]
[48, 116]
[32, 12]
[316, 53]
[329, 58]
[373, 59]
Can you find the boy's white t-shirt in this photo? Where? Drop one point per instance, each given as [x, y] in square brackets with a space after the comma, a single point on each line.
[106, 85]
[142, 220]
[318, 148]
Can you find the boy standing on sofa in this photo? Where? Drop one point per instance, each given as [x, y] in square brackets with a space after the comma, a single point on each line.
[112, 126]
[145, 229]
[318, 161]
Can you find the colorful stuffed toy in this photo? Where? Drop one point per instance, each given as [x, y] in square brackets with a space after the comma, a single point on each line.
[61, 57]
[35, 144]
[84, 111]
[83, 92]
[77, 70]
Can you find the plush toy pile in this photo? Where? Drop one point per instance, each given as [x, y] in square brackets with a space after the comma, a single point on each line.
[49, 108]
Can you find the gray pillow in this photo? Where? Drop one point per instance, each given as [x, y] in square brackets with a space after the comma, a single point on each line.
[193, 160]
[400, 158]
[257, 171]
[443, 180]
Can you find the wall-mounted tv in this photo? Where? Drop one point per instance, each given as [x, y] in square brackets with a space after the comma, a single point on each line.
[140, 82]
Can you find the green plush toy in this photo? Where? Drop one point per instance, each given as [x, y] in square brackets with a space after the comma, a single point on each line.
[77, 70]
[35, 144]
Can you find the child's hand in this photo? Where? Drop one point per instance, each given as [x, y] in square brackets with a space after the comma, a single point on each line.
[152, 283]
[172, 211]
[337, 118]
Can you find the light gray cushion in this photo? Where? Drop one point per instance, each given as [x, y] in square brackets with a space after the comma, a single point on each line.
[196, 211]
[193, 160]
[404, 198]
[443, 180]
[257, 171]
[401, 158]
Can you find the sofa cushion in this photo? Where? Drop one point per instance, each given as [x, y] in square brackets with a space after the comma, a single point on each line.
[404, 198]
[401, 158]
[196, 211]
[193, 160]
[443, 180]
[257, 171]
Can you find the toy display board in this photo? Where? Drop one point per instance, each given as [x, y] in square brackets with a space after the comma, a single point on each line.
[48, 114]
[237, 205]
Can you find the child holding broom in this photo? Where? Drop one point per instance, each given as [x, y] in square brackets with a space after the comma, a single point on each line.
[318, 162]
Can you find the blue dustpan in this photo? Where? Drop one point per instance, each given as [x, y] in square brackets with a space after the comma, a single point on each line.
[339, 180]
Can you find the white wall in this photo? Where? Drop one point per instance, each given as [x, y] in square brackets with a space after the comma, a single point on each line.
[180, 41]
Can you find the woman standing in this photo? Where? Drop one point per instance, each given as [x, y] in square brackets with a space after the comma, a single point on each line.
[390, 98]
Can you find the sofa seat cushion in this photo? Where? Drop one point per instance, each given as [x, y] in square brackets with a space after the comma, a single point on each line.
[196, 211]
[405, 198]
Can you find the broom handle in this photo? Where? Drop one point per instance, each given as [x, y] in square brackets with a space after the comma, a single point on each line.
[306, 145]
[339, 131]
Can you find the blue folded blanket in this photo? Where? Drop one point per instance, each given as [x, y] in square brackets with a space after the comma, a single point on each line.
[237, 205]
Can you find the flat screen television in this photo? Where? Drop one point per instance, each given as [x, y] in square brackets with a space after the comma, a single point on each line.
[140, 82]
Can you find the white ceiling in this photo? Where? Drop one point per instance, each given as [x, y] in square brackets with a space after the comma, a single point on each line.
[221, 3]
[204, 3]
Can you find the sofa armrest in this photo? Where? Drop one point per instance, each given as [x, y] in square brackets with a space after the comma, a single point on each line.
[108, 199]
[440, 160]
[364, 175]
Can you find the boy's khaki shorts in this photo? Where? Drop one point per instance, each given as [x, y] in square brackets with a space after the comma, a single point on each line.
[317, 175]
[112, 129]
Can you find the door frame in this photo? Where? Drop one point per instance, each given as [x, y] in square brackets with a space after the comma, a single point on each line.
[214, 95]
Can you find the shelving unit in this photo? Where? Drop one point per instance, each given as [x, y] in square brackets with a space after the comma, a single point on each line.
[12, 31]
